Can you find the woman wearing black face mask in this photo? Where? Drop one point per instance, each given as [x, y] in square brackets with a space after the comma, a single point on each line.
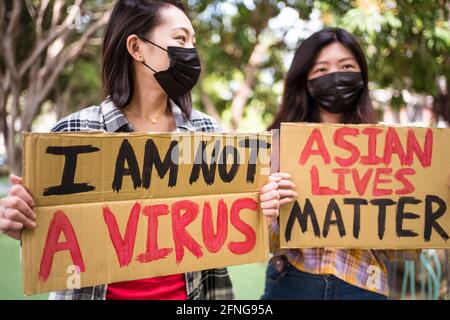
[150, 64]
[327, 82]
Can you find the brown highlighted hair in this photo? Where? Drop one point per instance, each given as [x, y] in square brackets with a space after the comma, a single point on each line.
[129, 17]
[296, 104]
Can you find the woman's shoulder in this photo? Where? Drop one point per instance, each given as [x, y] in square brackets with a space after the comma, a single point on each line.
[86, 119]
[202, 122]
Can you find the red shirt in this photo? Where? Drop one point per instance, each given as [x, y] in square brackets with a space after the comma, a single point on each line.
[159, 288]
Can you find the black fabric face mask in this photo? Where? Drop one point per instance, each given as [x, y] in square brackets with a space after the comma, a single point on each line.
[183, 72]
[336, 92]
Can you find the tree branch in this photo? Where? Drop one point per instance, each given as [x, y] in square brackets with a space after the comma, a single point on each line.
[60, 31]
[2, 19]
[56, 14]
[8, 42]
[73, 12]
[40, 18]
[244, 92]
[206, 101]
[31, 8]
[53, 68]
[41, 46]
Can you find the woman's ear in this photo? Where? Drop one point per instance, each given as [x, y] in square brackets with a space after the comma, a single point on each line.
[134, 48]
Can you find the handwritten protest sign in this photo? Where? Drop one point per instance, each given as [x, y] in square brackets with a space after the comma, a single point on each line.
[125, 206]
[366, 186]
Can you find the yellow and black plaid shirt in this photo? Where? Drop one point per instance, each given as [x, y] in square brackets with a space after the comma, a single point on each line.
[365, 269]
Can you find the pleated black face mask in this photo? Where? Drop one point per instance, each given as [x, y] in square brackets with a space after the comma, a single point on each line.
[336, 92]
[183, 72]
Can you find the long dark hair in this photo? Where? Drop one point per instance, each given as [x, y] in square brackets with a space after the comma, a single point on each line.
[296, 104]
[131, 17]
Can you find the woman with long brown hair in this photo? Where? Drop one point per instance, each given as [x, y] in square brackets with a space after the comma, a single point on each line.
[328, 83]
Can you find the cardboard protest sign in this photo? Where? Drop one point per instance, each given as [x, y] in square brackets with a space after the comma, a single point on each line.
[126, 206]
[366, 186]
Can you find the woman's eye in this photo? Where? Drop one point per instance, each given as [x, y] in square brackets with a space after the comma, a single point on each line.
[320, 70]
[181, 38]
[348, 66]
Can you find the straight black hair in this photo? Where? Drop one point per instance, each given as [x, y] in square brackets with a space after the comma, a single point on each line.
[129, 17]
[296, 104]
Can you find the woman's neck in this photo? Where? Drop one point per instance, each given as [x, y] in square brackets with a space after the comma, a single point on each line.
[148, 103]
[328, 117]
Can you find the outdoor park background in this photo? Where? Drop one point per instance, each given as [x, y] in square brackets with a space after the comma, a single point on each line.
[50, 58]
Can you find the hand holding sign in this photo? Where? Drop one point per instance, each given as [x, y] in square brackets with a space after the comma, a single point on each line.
[279, 191]
[16, 210]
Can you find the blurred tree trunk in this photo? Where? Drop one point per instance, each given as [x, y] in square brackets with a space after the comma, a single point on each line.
[206, 101]
[27, 79]
[243, 94]
[263, 12]
[62, 97]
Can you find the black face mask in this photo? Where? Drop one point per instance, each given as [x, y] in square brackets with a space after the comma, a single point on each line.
[336, 92]
[183, 73]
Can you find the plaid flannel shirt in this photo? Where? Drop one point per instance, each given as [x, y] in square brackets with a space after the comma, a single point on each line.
[202, 285]
[355, 266]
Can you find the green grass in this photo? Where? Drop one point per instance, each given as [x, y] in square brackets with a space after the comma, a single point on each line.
[11, 275]
[248, 280]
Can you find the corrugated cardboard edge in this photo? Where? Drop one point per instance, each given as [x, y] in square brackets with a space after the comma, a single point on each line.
[273, 140]
[27, 149]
